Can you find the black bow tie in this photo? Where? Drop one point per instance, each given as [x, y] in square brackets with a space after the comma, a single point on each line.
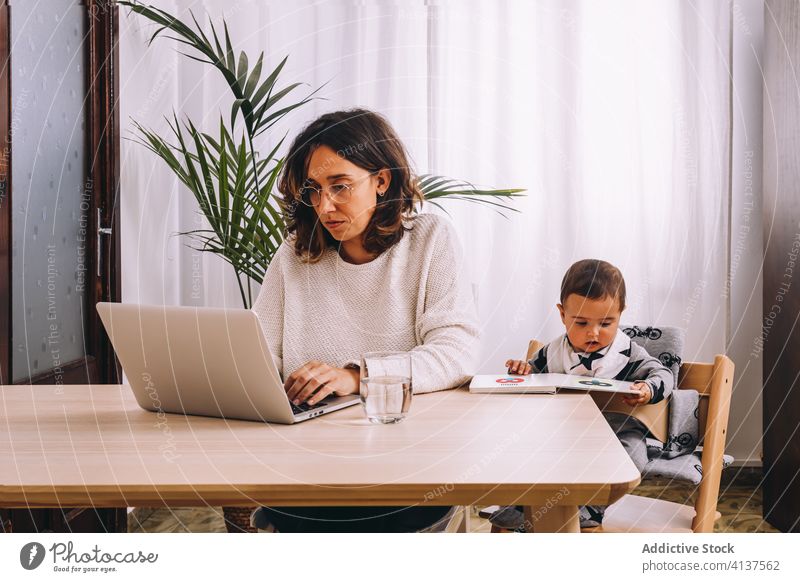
[587, 360]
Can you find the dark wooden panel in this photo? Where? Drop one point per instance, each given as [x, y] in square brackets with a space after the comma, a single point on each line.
[781, 335]
[5, 195]
[103, 171]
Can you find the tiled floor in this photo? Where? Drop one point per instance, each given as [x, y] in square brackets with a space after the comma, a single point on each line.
[739, 504]
[185, 519]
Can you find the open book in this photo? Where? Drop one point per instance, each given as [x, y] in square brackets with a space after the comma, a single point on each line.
[543, 384]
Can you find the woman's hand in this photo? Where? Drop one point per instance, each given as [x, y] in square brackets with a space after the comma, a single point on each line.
[315, 380]
[640, 394]
[519, 367]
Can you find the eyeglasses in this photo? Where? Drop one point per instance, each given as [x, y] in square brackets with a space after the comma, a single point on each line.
[338, 193]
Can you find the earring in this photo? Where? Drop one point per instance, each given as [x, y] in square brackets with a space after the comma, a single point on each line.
[381, 194]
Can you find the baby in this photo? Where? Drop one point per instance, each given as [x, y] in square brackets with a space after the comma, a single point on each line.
[592, 301]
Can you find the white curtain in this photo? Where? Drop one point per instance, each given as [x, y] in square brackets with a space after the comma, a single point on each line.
[614, 116]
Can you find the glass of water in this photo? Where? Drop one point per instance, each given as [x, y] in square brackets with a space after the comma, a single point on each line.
[386, 386]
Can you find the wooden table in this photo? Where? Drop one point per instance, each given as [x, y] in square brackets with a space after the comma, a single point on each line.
[93, 446]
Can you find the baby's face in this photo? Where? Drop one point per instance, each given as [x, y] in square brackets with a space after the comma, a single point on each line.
[591, 323]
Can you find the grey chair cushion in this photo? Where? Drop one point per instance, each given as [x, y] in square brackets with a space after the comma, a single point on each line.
[684, 468]
[670, 460]
[664, 343]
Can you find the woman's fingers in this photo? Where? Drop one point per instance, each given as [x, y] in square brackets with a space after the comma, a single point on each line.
[291, 378]
[315, 380]
[298, 379]
[316, 384]
[324, 391]
[293, 383]
[303, 386]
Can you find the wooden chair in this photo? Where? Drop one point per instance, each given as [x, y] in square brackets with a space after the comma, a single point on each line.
[634, 513]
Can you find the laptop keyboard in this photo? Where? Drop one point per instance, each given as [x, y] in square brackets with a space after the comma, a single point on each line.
[305, 407]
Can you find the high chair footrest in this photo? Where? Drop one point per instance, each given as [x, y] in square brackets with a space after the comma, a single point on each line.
[634, 513]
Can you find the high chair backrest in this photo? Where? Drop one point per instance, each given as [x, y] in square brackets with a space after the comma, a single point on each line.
[714, 383]
[533, 347]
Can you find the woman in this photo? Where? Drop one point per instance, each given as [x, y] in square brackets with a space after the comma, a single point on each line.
[359, 271]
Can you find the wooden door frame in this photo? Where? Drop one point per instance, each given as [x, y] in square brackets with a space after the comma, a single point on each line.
[101, 191]
[5, 196]
[104, 172]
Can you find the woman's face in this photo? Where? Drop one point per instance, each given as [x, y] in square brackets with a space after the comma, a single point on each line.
[345, 221]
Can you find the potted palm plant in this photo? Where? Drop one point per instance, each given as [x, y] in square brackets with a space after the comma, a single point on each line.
[233, 182]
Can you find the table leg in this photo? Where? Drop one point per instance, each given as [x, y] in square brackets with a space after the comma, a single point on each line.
[552, 519]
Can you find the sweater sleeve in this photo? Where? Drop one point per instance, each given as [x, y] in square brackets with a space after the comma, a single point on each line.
[269, 307]
[539, 361]
[447, 324]
[644, 367]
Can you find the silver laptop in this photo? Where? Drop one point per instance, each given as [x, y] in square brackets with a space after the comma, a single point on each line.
[203, 361]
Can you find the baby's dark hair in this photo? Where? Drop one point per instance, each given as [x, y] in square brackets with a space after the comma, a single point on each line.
[594, 279]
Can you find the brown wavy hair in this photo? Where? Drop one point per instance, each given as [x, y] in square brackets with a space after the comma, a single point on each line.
[367, 140]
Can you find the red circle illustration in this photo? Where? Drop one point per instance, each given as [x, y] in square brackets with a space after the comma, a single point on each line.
[509, 380]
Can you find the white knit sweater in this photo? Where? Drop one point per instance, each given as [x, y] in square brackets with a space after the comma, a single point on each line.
[411, 298]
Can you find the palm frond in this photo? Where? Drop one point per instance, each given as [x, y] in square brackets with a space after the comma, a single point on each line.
[434, 187]
[260, 102]
[243, 229]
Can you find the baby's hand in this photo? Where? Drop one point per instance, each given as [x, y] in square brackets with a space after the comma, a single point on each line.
[640, 394]
[518, 367]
